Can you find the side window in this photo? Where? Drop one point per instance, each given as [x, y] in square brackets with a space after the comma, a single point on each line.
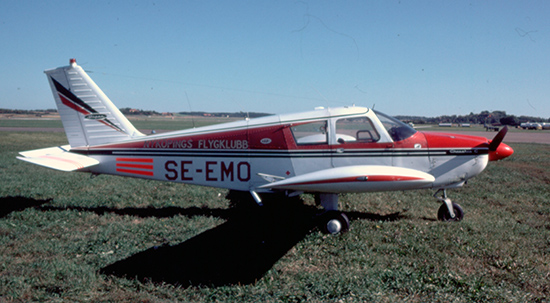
[358, 129]
[310, 133]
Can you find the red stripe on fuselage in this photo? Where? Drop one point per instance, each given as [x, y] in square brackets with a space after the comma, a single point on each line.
[144, 160]
[135, 164]
[135, 172]
[143, 166]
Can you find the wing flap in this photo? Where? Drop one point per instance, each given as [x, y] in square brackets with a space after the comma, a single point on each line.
[59, 158]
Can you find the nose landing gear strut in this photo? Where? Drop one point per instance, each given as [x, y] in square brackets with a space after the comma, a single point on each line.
[449, 211]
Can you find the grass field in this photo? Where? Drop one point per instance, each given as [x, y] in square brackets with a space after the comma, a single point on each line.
[69, 237]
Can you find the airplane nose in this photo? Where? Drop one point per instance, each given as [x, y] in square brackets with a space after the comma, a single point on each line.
[501, 152]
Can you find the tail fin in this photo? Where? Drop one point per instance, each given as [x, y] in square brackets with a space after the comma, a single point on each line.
[88, 116]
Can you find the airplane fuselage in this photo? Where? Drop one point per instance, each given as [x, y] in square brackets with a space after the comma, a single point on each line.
[236, 155]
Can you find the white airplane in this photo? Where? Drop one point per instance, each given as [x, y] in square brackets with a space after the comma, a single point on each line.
[326, 151]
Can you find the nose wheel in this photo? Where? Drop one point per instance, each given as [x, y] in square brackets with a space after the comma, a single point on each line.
[449, 211]
[444, 215]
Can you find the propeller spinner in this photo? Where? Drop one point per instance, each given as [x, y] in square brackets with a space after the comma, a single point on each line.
[497, 149]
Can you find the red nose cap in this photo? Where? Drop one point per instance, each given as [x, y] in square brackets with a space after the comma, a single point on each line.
[502, 152]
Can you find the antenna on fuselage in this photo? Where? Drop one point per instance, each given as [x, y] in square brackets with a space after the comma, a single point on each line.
[373, 105]
[322, 96]
[189, 102]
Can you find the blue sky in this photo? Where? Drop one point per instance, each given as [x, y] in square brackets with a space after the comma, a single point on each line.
[426, 58]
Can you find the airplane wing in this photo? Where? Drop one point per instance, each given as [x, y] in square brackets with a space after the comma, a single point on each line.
[357, 178]
[58, 158]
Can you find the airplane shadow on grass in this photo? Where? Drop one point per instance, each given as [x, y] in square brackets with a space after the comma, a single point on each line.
[12, 204]
[239, 251]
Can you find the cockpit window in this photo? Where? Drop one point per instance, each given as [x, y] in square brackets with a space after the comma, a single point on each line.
[397, 129]
[358, 129]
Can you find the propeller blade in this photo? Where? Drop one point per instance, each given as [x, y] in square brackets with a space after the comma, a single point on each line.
[498, 139]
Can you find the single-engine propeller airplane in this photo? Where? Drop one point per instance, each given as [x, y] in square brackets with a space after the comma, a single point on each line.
[326, 151]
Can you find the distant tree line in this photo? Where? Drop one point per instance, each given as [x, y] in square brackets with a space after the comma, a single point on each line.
[226, 114]
[133, 111]
[485, 117]
[28, 112]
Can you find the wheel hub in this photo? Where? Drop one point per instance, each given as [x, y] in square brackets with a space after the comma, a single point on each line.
[334, 226]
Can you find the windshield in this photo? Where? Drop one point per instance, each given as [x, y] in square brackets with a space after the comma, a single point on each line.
[397, 129]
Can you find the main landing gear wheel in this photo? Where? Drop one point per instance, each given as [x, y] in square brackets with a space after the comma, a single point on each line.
[334, 222]
[444, 215]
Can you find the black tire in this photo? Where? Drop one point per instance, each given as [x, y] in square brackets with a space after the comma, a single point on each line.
[444, 215]
[334, 222]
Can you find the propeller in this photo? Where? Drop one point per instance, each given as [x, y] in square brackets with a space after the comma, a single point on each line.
[497, 149]
[498, 139]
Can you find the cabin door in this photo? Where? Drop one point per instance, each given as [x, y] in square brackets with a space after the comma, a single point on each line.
[356, 141]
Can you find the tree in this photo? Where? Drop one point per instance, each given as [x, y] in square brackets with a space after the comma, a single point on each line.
[509, 120]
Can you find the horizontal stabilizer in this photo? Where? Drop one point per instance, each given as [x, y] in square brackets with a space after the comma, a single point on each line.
[357, 178]
[58, 158]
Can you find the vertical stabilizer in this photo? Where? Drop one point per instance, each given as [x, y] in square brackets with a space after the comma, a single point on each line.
[88, 116]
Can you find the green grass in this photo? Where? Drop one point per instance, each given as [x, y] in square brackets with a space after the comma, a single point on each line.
[43, 123]
[63, 234]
